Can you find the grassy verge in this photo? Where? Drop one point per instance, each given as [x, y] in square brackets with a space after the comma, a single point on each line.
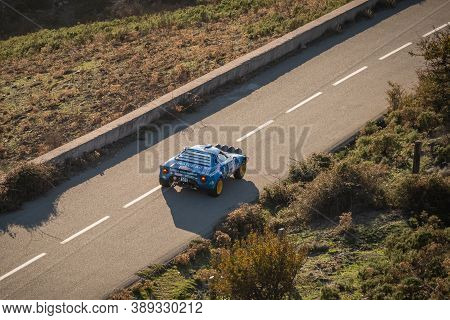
[56, 14]
[357, 224]
[56, 85]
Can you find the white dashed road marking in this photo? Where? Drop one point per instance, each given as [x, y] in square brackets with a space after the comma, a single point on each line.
[84, 230]
[304, 102]
[350, 75]
[434, 30]
[254, 131]
[129, 204]
[395, 51]
[22, 266]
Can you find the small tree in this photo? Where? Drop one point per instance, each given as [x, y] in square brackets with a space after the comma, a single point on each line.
[259, 267]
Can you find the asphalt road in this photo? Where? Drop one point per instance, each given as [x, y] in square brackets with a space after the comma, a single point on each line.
[92, 233]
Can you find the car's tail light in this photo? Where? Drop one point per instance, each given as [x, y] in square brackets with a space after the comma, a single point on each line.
[165, 171]
[203, 179]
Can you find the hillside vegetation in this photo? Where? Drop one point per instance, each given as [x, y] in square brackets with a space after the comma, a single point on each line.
[357, 224]
[51, 14]
[56, 85]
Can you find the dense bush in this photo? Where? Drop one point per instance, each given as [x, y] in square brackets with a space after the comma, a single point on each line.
[221, 239]
[242, 221]
[417, 266]
[434, 80]
[25, 182]
[196, 249]
[345, 187]
[329, 293]
[426, 109]
[417, 193]
[278, 195]
[408, 110]
[440, 150]
[306, 171]
[392, 146]
[259, 267]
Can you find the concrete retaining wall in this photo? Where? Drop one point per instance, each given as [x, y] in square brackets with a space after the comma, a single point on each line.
[242, 66]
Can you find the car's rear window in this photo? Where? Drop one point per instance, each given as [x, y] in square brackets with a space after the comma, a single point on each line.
[195, 157]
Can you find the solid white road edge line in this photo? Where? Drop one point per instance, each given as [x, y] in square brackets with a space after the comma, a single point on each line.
[350, 75]
[395, 51]
[22, 266]
[434, 30]
[304, 102]
[84, 230]
[256, 130]
[129, 204]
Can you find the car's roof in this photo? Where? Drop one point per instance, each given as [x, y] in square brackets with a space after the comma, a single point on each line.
[205, 148]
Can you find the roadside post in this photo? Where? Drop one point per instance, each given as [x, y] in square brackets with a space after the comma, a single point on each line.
[416, 160]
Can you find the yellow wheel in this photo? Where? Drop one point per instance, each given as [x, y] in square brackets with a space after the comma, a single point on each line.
[218, 189]
[239, 173]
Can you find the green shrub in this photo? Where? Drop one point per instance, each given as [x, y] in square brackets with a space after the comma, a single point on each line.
[25, 182]
[407, 110]
[428, 107]
[434, 79]
[259, 267]
[417, 193]
[392, 146]
[417, 266]
[152, 271]
[329, 293]
[242, 221]
[369, 128]
[441, 151]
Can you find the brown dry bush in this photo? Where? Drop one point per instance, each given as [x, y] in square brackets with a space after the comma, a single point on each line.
[259, 267]
[121, 294]
[204, 276]
[221, 239]
[242, 221]
[306, 171]
[345, 187]
[278, 195]
[25, 182]
[345, 224]
[196, 249]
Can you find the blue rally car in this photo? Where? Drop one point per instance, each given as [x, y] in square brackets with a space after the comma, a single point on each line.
[203, 167]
